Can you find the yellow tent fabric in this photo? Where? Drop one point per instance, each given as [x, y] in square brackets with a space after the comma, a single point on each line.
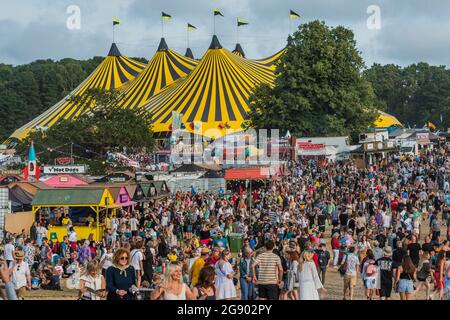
[115, 71]
[385, 120]
[214, 95]
[272, 60]
[239, 51]
[164, 68]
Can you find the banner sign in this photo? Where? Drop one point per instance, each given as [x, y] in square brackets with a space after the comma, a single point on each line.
[423, 138]
[64, 169]
[310, 146]
[64, 161]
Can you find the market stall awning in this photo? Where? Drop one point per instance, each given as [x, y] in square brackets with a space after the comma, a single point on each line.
[73, 198]
[259, 173]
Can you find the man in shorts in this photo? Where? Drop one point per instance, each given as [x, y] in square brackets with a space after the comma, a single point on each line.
[351, 263]
[270, 273]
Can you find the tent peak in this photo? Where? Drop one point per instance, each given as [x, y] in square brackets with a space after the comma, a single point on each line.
[215, 44]
[114, 51]
[163, 45]
[239, 50]
[189, 53]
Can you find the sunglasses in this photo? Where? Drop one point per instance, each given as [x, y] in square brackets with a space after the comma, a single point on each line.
[124, 258]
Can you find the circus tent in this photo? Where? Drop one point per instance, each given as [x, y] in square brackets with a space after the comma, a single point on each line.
[386, 120]
[164, 68]
[215, 95]
[115, 71]
[239, 51]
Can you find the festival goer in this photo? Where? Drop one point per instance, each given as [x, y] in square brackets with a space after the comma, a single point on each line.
[205, 289]
[21, 276]
[308, 278]
[386, 273]
[224, 277]
[246, 275]
[173, 287]
[404, 282]
[92, 283]
[120, 277]
[270, 273]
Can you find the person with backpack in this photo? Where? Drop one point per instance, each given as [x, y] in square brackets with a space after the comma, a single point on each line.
[348, 269]
[323, 257]
[435, 227]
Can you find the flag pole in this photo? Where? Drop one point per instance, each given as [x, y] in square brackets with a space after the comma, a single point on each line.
[214, 23]
[237, 31]
[113, 31]
[188, 36]
[162, 27]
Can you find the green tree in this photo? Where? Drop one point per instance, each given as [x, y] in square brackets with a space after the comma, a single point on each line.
[319, 88]
[105, 127]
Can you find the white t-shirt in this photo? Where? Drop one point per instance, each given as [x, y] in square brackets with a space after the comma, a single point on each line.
[19, 275]
[134, 224]
[8, 252]
[386, 221]
[73, 237]
[107, 260]
[41, 231]
[136, 258]
[352, 262]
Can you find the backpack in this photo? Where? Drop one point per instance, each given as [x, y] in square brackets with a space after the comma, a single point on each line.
[370, 270]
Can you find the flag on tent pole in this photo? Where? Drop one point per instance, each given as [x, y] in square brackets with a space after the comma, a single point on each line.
[294, 15]
[241, 22]
[217, 12]
[166, 17]
[191, 27]
[431, 125]
[115, 21]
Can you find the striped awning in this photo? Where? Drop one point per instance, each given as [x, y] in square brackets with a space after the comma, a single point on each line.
[112, 73]
[164, 68]
[215, 95]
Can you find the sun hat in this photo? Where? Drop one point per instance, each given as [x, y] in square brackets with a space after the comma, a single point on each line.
[19, 254]
[387, 251]
[205, 251]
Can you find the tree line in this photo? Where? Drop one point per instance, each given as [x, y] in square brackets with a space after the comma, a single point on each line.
[28, 90]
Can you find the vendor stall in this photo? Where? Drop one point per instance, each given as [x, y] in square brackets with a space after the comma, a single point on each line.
[122, 197]
[82, 205]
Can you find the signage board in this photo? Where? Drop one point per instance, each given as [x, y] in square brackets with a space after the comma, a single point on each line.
[64, 169]
[310, 146]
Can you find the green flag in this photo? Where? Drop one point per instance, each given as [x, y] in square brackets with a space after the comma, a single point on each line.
[294, 15]
[191, 27]
[115, 21]
[241, 22]
[166, 17]
[217, 12]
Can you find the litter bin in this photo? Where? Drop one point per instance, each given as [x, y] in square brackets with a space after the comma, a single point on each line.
[236, 241]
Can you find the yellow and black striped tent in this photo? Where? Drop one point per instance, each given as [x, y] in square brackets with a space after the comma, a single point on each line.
[271, 61]
[239, 51]
[164, 68]
[215, 95]
[386, 120]
[115, 71]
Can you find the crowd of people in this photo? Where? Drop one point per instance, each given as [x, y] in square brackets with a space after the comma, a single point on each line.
[387, 226]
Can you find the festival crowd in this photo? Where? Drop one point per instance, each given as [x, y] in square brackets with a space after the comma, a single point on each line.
[387, 226]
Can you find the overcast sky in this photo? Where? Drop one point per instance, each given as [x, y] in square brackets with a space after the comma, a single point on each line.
[411, 30]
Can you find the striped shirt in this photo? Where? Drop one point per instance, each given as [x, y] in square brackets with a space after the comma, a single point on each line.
[268, 263]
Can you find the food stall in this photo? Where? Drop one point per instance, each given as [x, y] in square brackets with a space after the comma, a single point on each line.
[80, 203]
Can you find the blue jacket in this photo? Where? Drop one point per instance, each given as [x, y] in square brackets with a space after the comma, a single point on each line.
[243, 267]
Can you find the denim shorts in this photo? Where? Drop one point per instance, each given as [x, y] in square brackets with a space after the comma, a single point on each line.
[369, 283]
[405, 286]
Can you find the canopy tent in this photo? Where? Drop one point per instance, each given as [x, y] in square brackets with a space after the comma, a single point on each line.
[385, 120]
[272, 60]
[257, 173]
[164, 68]
[112, 73]
[215, 95]
[20, 199]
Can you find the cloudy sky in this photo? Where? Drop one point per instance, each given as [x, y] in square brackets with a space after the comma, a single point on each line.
[411, 30]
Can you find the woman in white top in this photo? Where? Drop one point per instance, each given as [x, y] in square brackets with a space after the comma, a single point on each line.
[225, 275]
[92, 283]
[173, 287]
[308, 278]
